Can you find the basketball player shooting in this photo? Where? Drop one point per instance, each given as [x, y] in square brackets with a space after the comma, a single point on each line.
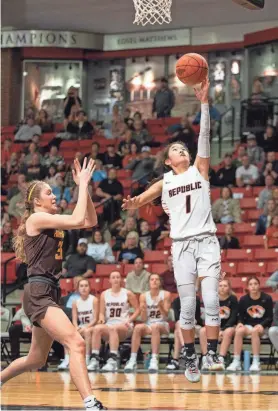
[185, 193]
[39, 243]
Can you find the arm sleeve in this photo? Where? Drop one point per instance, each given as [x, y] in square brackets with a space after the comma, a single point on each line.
[268, 317]
[203, 141]
[91, 264]
[234, 311]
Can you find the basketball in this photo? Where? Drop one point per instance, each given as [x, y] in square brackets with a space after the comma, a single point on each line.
[192, 69]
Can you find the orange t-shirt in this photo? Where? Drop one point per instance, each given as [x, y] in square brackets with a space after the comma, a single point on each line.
[272, 241]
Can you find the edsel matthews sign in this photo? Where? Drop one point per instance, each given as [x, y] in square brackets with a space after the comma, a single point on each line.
[47, 38]
[166, 38]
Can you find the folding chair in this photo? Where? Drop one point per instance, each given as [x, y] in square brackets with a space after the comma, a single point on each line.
[6, 320]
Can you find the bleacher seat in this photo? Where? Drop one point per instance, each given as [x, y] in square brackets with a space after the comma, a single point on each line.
[251, 268]
[238, 285]
[122, 174]
[96, 285]
[244, 191]
[229, 268]
[263, 255]
[66, 285]
[244, 228]
[253, 215]
[257, 190]
[214, 194]
[158, 268]
[168, 242]
[104, 270]
[10, 268]
[155, 256]
[253, 241]
[237, 255]
[248, 203]
[271, 267]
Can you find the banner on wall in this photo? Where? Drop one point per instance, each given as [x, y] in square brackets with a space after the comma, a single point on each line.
[165, 38]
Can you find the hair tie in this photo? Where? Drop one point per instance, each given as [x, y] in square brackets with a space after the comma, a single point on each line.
[31, 192]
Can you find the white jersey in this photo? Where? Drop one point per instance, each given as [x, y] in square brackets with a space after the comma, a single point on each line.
[186, 199]
[116, 307]
[153, 313]
[85, 310]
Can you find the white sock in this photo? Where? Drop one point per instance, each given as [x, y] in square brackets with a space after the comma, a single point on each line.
[87, 358]
[67, 358]
[133, 356]
[95, 352]
[236, 359]
[89, 402]
[154, 356]
[114, 352]
[256, 359]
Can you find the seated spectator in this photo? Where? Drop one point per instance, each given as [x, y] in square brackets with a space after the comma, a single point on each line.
[51, 176]
[80, 128]
[241, 152]
[273, 331]
[163, 230]
[213, 179]
[6, 150]
[12, 164]
[26, 131]
[266, 193]
[146, 236]
[227, 175]
[168, 278]
[178, 337]
[138, 116]
[7, 238]
[53, 157]
[275, 196]
[143, 168]
[59, 189]
[71, 100]
[264, 220]
[115, 324]
[5, 218]
[99, 174]
[125, 151]
[183, 132]
[64, 205]
[79, 263]
[32, 149]
[127, 117]
[228, 316]
[100, 250]
[44, 122]
[94, 153]
[271, 167]
[140, 134]
[247, 174]
[255, 314]
[112, 189]
[74, 193]
[268, 141]
[117, 122]
[133, 155]
[111, 158]
[228, 241]
[226, 209]
[255, 153]
[137, 280]
[131, 249]
[126, 138]
[154, 309]
[18, 331]
[120, 229]
[35, 170]
[272, 281]
[271, 237]
[17, 203]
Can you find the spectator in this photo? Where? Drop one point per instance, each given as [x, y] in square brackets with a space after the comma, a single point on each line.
[163, 230]
[32, 149]
[126, 138]
[6, 150]
[228, 241]
[16, 204]
[44, 122]
[120, 230]
[273, 331]
[53, 157]
[125, 151]
[255, 153]
[59, 189]
[183, 132]
[79, 263]
[117, 122]
[275, 196]
[17, 331]
[164, 100]
[99, 174]
[215, 117]
[111, 158]
[271, 238]
[227, 175]
[146, 236]
[5, 218]
[26, 131]
[143, 168]
[213, 179]
[137, 280]
[127, 117]
[134, 155]
[65, 210]
[247, 174]
[51, 176]
[272, 281]
[71, 100]
[7, 238]
[80, 127]
[271, 166]
[94, 153]
[268, 141]
[75, 191]
[12, 164]
[112, 189]
[131, 249]
[226, 209]
[228, 316]
[168, 278]
[140, 134]
[100, 250]
[241, 152]
[266, 193]
[255, 316]
[35, 170]
[265, 219]
[21, 184]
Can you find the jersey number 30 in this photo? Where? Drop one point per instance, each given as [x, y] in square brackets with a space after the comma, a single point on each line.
[188, 204]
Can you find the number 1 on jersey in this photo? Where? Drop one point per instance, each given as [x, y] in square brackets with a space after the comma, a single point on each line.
[188, 204]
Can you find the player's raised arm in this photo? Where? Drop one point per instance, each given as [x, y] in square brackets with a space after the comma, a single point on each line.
[202, 161]
[153, 192]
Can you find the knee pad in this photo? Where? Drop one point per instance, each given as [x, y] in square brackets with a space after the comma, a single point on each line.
[211, 301]
[188, 306]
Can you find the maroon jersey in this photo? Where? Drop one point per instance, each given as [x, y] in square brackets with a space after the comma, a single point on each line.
[44, 254]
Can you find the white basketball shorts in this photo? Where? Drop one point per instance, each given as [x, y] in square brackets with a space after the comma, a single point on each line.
[196, 257]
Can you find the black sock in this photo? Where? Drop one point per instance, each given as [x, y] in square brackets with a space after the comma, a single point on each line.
[189, 349]
[212, 345]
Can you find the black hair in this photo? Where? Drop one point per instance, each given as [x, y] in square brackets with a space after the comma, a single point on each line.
[96, 144]
[253, 278]
[228, 188]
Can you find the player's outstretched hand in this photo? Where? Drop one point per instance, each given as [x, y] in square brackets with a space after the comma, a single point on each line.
[77, 169]
[87, 170]
[203, 93]
[129, 203]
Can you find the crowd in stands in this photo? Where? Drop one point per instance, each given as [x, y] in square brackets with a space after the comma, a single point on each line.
[125, 163]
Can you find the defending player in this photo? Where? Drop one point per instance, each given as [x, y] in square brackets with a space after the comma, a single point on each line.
[185, 191]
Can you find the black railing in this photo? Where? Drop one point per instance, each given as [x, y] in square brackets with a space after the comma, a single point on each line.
[257, 112]
[226, 128]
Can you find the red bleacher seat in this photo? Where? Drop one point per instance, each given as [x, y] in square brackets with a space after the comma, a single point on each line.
[168, 242]
[155, 256]
[156, 129]
[66, 285]
[214, 194]
[244, 191]
[158, 268]
[11, 268]
[168, 121]
[59, 126]
[150, 213]
[244, 228]
[47, 137]
[122, 174]
[257, 190]
[248, 203]
[96, 285]
[220, 229]
[236, 255]
[271, 254]
[238, 285]
[251, 268]
[104, 270]
[229, 268]
[253, 215]
[271, 267]
[130, 267]
[126, 183]
[253, 241]
[161, 138]
[263, 284]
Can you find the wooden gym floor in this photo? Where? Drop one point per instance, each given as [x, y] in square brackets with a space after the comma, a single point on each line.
[54, 391]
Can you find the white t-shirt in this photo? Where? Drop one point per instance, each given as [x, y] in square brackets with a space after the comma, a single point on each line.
[153, 313]
[85, 310]
[116, 307]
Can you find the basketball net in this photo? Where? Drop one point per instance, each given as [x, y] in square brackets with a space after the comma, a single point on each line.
[152, 11]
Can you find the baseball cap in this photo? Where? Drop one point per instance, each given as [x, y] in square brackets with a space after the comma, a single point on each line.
[145, 149]
[82, 241]
[251, 136]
